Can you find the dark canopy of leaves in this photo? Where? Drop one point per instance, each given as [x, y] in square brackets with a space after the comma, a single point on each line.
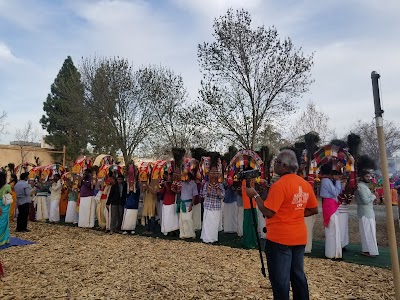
[339, 143]
[365, 163]
[65, 117]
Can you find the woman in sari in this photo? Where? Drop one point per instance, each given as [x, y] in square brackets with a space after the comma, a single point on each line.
[4, 210]
[13, 206]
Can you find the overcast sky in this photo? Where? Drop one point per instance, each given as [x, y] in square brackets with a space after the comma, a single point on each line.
[350, 38]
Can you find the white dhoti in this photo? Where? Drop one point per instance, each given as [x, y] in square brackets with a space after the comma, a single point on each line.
[71, 215]
[310, 221]
[48, 199]
[261, 224]
[186, 229]
[129, 220]
[211, 222]
[333, 245]
[87, 211]
[344, 224]
[368, 235]
[196, 209]
[54, 210]
[41, 208]
[230, 217]
[240, 220]
[170, 220]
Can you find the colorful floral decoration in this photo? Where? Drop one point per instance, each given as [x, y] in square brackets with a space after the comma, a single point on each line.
[341, 160]
[242, 160]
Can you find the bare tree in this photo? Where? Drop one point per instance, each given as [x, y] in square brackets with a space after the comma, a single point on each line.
[250, 77]
[121, 116]
[272, 138]
[3, 124]
[29, 133]
[311, 120]
[25, 137]
[165, 93]
[369, 138]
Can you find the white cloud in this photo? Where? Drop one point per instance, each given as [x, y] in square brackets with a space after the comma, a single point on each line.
[6, 56]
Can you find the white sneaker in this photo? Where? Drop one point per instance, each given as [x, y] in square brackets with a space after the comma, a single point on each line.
[132, 232]
[124, 232]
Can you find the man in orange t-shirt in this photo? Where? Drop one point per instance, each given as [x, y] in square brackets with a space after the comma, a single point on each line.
[289, 200]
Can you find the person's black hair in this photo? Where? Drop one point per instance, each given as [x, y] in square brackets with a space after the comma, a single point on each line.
[121, 176]
[190, 176]
[3, 179]
[363, 172]
[24, 176]
[336, 172]
[326, 169]
[14, 178]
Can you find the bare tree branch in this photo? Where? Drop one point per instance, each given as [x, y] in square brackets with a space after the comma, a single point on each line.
[250, 77]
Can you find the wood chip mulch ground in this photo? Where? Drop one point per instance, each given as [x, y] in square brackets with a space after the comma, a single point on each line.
[75, 263]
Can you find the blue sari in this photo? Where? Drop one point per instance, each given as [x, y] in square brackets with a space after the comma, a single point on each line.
[4, 219]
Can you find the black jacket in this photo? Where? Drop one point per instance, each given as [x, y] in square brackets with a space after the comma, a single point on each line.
[122, 199]
[113, 196]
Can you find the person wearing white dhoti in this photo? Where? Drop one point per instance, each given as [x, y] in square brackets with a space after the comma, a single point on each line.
[87, 205]
[230, 210]
[366, 215]
[129, 220]
[331, 187]
[55, 196]
[196, 207]
[41, 201]
[170, 220]
[72, 215]
[310, 221]
[185, 205]
[344, 224]
[213, 193]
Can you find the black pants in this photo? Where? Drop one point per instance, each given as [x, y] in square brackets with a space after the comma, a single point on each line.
[120, 216]
[22, 219]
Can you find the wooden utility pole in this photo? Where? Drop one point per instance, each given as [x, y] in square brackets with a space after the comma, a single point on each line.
[386, 185]
[64, 153]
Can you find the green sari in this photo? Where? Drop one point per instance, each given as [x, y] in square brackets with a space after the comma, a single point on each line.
[4, 219]
[249, 234]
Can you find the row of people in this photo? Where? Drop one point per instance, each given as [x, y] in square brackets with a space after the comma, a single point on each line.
[179, 206]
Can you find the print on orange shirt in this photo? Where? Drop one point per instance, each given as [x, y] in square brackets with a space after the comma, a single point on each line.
[300, 199]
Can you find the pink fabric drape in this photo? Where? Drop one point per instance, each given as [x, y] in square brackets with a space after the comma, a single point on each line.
[329, 207]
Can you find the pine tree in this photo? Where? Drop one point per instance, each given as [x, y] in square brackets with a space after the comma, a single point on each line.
[65, 117]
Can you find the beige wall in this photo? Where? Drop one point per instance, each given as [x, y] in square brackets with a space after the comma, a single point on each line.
[12, 154]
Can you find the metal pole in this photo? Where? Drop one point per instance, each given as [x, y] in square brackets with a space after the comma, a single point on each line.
[386, 185]
[64, 152]
[255, 224]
